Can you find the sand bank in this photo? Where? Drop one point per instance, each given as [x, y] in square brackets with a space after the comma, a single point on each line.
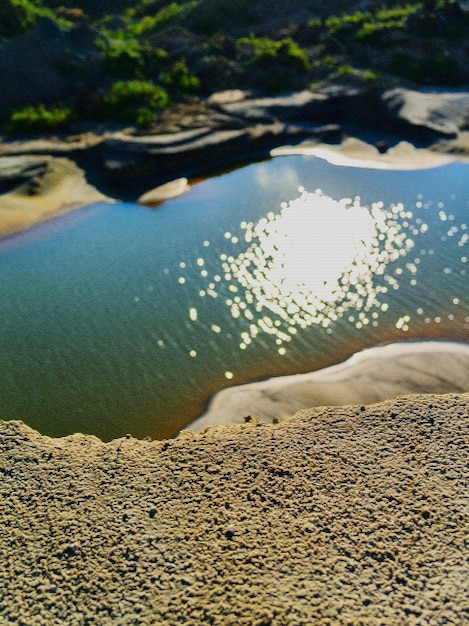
[336, 516]
[353, 152]
[169, 190]
[370, 376]
[58, 186]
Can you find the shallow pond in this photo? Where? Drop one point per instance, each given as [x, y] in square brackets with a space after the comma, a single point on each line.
[119, 319]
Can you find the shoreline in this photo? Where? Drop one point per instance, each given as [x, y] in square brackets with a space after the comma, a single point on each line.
[372, 375]
[64, 187]
[43, 177]
[354, 152]
[57, 187]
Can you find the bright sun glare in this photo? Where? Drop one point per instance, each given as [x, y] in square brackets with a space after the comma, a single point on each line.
[311, 263]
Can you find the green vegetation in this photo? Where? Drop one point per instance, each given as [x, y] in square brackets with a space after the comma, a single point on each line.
[38, 118]
[403, 33]
[281, 64]
[264, 51]
[126, 57]
[20, 16]
[147, 53]
[168, 14]
[368, 26]
[356, 76]
[420, 18]
[179, 79]
[132, 101]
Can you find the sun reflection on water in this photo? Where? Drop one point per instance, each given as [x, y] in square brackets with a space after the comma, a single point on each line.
[311, 263]
[320, 270]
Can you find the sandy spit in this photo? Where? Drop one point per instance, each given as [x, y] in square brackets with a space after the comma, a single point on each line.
[353, 152]
[369, 376]
[350, 515]
[61, 189]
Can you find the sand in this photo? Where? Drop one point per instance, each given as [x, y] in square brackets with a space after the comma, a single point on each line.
[169, 190]
[367, 377]
[353, 152]
[61, 188]
[351, 515]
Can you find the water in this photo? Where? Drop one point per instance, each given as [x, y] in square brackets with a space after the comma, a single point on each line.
[119, 319]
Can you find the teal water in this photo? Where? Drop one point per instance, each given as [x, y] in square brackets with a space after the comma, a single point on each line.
[119, 319]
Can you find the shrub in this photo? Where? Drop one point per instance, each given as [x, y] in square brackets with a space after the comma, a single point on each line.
[132, 92]
[369, 27]
[356, 75]
[166, 15]
[126, 101]
[180, 79]
[144, 7]
[125, 57]
[144, 117]
[38, 118]
[20, 16]
[262, 51]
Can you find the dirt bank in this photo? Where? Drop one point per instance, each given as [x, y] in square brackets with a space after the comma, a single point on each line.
[337, 516]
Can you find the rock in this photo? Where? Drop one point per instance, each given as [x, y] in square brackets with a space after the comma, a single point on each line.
[229, 127]
[177, 41]
[189, 153]
[48, 65]
[428, 114]
[228, 97]
[301, 105]
[164, 192]
[16, 170]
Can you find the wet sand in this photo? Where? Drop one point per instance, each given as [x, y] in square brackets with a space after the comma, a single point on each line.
[336, 516]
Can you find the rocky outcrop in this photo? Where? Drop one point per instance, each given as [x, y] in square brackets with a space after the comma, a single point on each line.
[339, 515]
[48, 65]
[234, 127]
[129, 159]
[222, 131]
[427, 113]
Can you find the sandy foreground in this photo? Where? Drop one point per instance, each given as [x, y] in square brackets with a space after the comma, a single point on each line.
[346, 515]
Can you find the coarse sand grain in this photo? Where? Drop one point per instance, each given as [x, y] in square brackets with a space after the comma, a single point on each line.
[345, 515]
